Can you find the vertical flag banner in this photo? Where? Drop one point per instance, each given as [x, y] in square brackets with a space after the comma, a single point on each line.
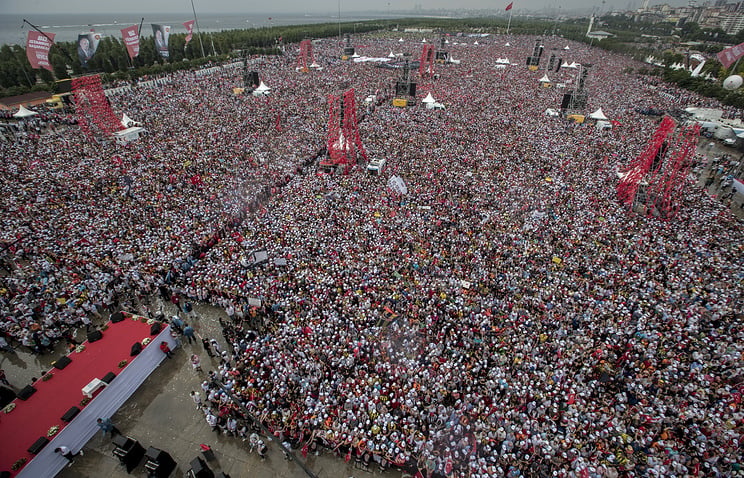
[161, 34]
[190, 29]
[509, 7]
[131, 40]
[37, 49]
[87, 46]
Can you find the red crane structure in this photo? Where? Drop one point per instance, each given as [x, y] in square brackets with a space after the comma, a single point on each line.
[655, 180]
[426, 64]
[344, 144]
[92, 106]
[306, 52]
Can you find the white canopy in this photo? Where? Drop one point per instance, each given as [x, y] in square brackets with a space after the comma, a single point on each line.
[565, 65]
[573, 65]
[544, 79]
[262, 87]
[391, 55]
[400, 41]
[507, 44]
[552, 112]
[598, 115]
[502, 61]
[434, 106]
[429, 99]
[23, 112]
[476, 42]
[566, 47]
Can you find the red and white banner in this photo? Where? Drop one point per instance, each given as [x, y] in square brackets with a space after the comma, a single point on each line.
[131, 40]
[190, 29]
[37, 49]
[728, 56]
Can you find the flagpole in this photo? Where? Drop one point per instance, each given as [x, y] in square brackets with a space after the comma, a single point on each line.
[509, 24]
[196, 20]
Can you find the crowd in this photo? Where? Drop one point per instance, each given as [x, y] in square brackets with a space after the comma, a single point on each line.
[506, 317]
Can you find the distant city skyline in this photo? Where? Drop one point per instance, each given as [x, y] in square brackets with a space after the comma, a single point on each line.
[303, 7]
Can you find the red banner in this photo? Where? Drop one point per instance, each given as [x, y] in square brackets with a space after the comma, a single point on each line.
[37, 49]
[728, 56]
[190, 29]
[131, 40]
[509, 7]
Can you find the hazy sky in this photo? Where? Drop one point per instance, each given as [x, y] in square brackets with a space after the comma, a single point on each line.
[299, 6]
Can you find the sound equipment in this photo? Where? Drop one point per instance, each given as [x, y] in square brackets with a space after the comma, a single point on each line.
[155, 328]
[62, 362]
[199, 469]
[70, 414]
[95, 335]
[136, 349]
[551, 62]
[109, 377]
[128, 451]
[251, 79]
[38, 445]
[558, 65]
[159, 463]
[26, 392]
[566, 101]
[117, 317]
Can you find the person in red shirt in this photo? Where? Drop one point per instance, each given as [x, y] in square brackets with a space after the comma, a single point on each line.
[166, 350]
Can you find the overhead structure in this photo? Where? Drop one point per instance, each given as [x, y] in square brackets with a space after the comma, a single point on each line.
[306, 53]
[653, 183]
[533, 61]
[348, 48]
[92, 106]
[442, 54]
[344, 144]
[405, 86]
[426, 64]
[575, 100]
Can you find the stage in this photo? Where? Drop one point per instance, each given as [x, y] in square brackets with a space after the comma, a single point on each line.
[32, 418]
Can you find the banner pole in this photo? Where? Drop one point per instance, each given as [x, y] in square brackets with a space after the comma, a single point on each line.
[50, 40]
[509, 24]
[196, 20]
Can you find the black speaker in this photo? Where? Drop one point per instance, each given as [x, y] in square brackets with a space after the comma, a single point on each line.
[117, 317]
[199, 469]
[566, 101]
[109, 377]
[412, 90]
[558, 65]
[26, 392]
[62, 362]
[136, 349]
[251, 79]
[70, 414]
[38, 445]
[155, 328]
[95, 335]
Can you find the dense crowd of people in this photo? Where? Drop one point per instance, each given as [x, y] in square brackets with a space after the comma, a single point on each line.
[506, 317]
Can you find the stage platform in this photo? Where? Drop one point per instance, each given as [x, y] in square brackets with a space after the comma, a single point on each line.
[32, 419]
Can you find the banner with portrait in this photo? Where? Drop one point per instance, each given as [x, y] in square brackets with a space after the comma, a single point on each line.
[161, 33]
[37, 49]
[190, 31]
[87, 46]
[131, 40]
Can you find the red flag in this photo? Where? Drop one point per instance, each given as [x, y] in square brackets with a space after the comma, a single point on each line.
[131, 40]
[304, 449]
[348, 456]
[190, 29]
[37, 49]
[509, 7]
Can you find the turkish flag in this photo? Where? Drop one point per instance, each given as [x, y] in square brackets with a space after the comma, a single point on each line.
[509, 7]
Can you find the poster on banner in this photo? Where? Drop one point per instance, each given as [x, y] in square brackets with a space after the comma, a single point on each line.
[131, 40]
[87, 45]
[37, 49]
[161, 34]
[189, 31]
[397, 184]
[728, 56]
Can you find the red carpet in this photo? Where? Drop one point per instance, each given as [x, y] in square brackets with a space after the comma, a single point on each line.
[32, 418]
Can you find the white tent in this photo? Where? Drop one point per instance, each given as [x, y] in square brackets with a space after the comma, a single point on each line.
[429, 99]
[552, 112]
[573, 65]
[434, 106]
[476, 42]
[502, 61]
[566, 47]
[423, 41]
[565, 65]
[401, 40]
[598, 115]
[23, 112]
[544, 79]
[262, 90]
[391, 55]
[507, 44]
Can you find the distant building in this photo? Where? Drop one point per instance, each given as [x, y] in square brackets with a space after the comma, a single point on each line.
[732, 23]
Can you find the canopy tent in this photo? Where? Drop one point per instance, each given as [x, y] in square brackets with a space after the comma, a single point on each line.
[544, 79]
[391, 55]
[565, 65]
[573, 65]
[429, 99]
[507, 44]
[434, 106]
[598, 115]
[23, 112]
[566, 47]
[262, 90]
[552, 112]
[502, 61]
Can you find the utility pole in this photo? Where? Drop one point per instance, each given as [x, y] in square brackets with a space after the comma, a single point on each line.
[196, 20]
